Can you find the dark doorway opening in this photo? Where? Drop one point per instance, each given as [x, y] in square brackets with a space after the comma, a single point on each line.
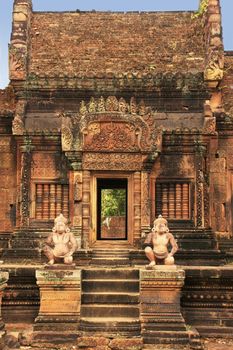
[112, 207]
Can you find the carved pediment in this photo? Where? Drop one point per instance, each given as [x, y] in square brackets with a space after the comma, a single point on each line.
[111, 125]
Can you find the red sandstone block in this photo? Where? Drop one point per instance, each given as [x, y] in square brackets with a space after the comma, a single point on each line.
[92, 342]
[126, 344]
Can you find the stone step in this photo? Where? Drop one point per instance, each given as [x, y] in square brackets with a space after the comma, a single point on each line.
[110, 274]
[26, 243]
[166, 338]
[120, 325]
[110, 252]
[111, 310]
[21, 253]
[105, 261]
[110, 298]
[164, 326]
[214, 332]
[200, 244]
[113, 285]
[110, 255]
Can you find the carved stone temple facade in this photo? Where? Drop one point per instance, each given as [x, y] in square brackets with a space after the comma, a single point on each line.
[140, 101]
[112, 119]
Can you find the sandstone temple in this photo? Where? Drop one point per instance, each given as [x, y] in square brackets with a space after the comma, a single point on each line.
[113, 119]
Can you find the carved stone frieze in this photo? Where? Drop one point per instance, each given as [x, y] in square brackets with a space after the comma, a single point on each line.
[45, 165]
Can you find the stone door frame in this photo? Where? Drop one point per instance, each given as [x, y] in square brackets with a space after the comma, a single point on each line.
[93, 200]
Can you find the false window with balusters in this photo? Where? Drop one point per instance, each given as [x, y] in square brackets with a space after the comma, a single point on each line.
[51, 199]
[172, 200]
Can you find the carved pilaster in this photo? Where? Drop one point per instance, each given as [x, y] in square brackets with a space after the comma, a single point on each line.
[145, 202]
[26, 157]
[77, 184]
[137, 206]
[200, 184]
[200, 194]
[86, 208]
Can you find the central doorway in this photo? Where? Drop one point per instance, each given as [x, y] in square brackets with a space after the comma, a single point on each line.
[112, 209]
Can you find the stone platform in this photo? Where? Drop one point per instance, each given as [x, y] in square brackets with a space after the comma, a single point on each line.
[207, 293]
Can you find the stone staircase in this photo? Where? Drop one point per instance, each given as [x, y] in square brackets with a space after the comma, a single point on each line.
[26, 244]
[110, 301]
[110, 257]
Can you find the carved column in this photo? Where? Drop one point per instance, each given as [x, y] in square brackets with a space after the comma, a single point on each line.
[137, 206]
[145, 202]
[86, 208]
[26, 158]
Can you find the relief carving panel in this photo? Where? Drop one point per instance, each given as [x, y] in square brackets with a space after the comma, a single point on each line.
[45, 166]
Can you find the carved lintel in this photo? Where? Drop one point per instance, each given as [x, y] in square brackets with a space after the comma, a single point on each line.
[113, 161]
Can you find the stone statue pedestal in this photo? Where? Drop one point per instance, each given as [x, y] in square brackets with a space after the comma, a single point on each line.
[4, 276]
[59, 312]
[161, 319]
